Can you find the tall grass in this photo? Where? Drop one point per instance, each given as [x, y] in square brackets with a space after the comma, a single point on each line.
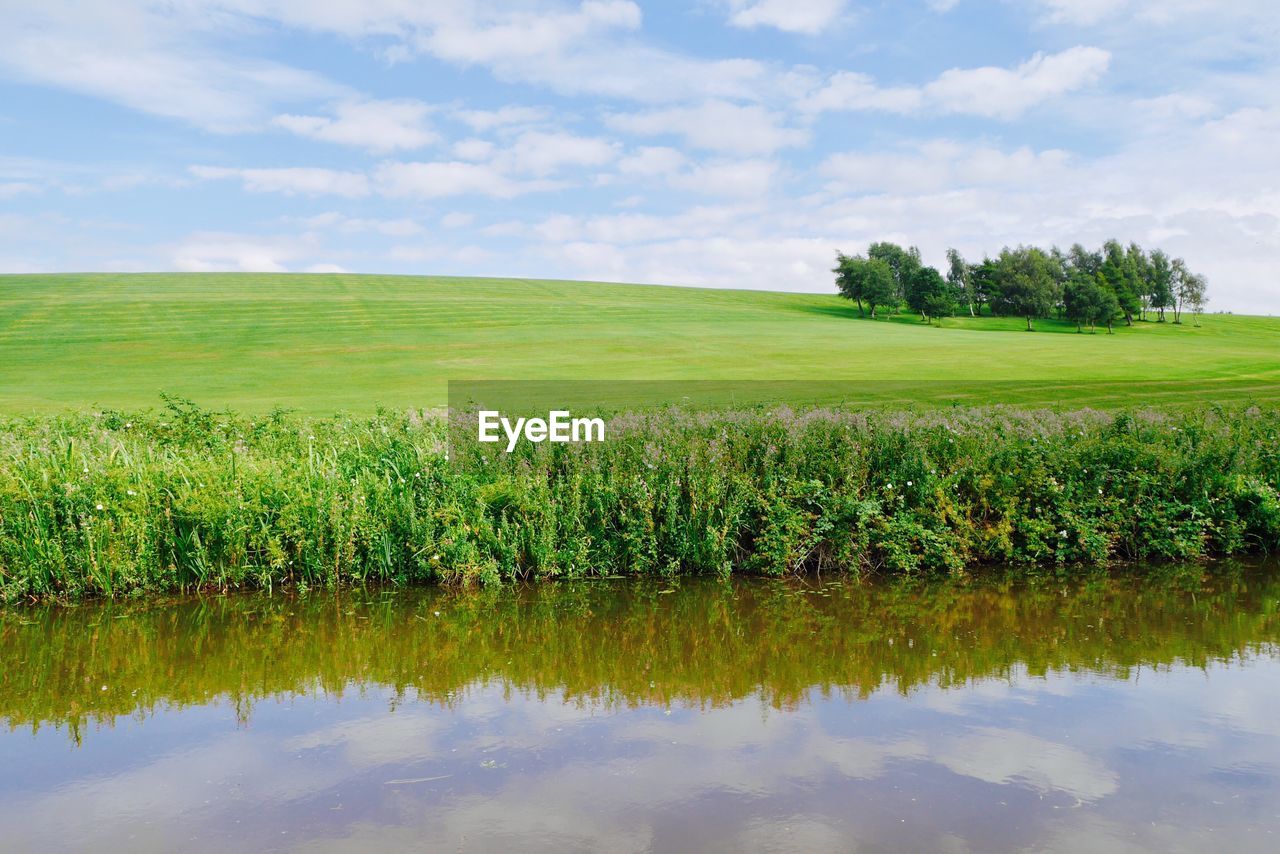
[110, 504]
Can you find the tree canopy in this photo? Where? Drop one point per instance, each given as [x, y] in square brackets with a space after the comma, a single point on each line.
[1086, 286]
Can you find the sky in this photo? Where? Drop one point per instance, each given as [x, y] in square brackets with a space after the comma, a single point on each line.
[717, 143]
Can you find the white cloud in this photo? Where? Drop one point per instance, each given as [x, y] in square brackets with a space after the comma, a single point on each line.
[792, 16]
[541, 153]
[1080, 11]
[585, 48]
[473, 149]
[380, 126]
[1004, 92]
[358, 225]
[941, 165]
[744, 178]
[989, 91]
[223, 252]
[718, 177]
[848, 90]
[13, 189]
[652, 160]
[716, 126]
[450, 178]
[484, 120]
[627, 228]
[498, 38]
[139, 57]
[291, 180]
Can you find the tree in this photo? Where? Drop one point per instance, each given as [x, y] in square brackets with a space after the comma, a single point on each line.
[1195, 286]
[903, 263]
[868, 281]
[1140, 269]
[848, 270]
[960, 277]
[1083, 285]
[1027, 283]
[1188, 288]
[1060, 266]
[929, 294]
[878, 286]
[983, 282]
[1087, 301]
[1159, 282]
[1121, 278]
[1083, 261]
[1079, 298]
[1106, 309]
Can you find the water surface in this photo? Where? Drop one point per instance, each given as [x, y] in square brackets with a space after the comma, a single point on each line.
[1138, 712]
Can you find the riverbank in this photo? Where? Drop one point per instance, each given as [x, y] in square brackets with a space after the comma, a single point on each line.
[112, 504]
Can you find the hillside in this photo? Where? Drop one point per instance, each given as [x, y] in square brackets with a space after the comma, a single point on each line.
[320, 343]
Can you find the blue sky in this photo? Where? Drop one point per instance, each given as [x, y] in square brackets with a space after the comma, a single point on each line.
[722, 143]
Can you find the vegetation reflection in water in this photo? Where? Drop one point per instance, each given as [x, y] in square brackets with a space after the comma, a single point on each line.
[621, 643]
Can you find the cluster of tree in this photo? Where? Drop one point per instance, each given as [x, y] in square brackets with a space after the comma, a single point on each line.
[1087, 287]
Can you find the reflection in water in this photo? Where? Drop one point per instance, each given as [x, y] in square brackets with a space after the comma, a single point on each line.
[789, 715]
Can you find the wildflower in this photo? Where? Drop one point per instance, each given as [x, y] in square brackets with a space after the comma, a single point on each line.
[99, 506]
[131, 492]
[908, 483]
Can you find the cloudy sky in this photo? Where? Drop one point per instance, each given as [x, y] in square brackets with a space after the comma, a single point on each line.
[726, 143]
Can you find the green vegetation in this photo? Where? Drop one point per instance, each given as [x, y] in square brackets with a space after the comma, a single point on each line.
[327, 343]
[1079, 285]
[614, 643]
[185, 498]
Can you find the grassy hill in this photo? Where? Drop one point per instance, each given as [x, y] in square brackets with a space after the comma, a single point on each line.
[320, 343]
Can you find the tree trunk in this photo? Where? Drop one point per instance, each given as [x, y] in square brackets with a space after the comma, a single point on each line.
[861, 313]
[1110, 331]
[1029, 323]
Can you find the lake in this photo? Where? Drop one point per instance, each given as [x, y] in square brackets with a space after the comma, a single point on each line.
[1132, 711]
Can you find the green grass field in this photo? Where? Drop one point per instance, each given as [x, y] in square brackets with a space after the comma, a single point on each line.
[320, 343]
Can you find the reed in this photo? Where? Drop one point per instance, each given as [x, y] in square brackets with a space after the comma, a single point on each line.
[110, 504]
